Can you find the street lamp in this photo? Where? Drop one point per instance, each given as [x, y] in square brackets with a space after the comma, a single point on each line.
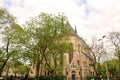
[106, 67]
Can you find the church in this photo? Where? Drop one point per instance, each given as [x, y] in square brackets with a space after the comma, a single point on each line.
[78, 64]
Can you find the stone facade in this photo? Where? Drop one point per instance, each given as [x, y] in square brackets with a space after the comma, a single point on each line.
[78, 63]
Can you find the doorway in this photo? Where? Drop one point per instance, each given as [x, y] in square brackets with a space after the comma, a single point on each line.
[73, 76]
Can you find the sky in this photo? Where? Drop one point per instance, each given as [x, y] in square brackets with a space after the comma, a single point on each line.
[93, 18]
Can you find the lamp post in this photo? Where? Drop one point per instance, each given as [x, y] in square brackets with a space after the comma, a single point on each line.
[106, 67]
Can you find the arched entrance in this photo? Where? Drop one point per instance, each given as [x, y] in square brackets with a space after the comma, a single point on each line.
[73, 75]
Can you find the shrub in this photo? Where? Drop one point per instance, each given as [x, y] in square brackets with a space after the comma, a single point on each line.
[52, 77]
[92, 77]
[59, 77]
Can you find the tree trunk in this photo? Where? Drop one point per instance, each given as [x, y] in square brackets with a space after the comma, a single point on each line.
[55, 65]
[94, 67]
[94, 64]
[37, 70]
[98, 67]
[5, 62]
[61, 59]
[8, 70]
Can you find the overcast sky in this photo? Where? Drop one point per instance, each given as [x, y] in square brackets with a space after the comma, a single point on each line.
[91, 17]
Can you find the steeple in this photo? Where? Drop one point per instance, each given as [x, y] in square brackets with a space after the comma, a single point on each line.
[75, 29]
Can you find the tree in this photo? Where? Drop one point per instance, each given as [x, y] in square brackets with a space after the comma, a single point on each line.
[12, 40]
[114, 38]
[6, 19]
[93, 47]
[17, 67]
[46, 31]
[55, 55]
[112, 66]
[98, 52]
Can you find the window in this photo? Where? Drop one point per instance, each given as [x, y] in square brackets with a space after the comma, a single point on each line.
[70, 57]
[78, 62]
[84, 64]
[79, 73]
[66, 73]
[45, 73]
[79, 48]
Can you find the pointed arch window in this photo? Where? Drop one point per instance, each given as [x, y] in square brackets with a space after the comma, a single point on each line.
[78, 62]
[79, 48]
[71, 55]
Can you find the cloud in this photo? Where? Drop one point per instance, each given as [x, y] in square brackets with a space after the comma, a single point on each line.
[33, 8]
[80, 2]
[102, 18]
[1, 3]
[91, 17]
[17, 3]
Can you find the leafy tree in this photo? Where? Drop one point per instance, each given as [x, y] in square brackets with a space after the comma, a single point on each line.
[11, 38]
[16, 67]
[6, 19]
[98, 52]
[112, 66]
[55, 55]
[47, 32]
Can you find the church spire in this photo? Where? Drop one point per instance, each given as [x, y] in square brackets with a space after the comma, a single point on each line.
[75, 29]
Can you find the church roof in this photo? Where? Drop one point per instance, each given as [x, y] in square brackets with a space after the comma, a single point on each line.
[74, 33]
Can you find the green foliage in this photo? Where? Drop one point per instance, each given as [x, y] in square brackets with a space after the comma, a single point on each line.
[92, 77]
[5, 18]
[117, 53]
[12, 39]
[52, 77]
[44, 39]
[112, 66]
[48, 37]
[1, 56]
